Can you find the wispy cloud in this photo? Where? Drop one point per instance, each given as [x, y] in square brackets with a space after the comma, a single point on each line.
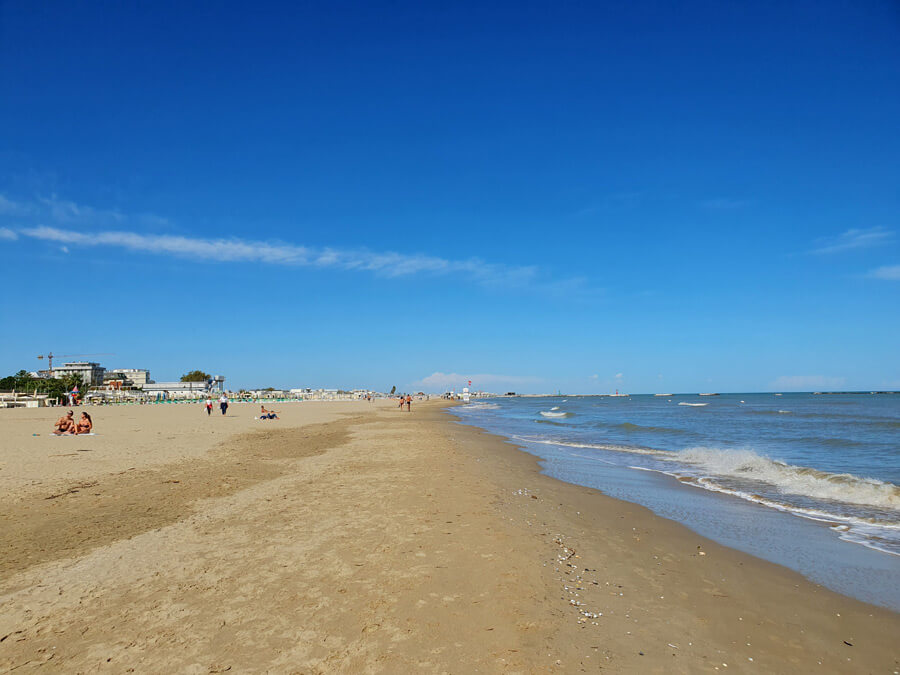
[9, 207]
[806, 382]
[444, 381]
[887, 272]
[69, 224]
[390, 264]
[853, 239]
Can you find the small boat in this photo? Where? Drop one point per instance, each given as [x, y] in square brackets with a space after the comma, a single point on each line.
[707, 394]
[663, 394]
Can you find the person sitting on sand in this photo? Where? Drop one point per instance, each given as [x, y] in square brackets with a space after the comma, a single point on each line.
[65, 425]
[267, 414]
[85, 425]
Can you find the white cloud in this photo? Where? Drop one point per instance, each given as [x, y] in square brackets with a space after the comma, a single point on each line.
[388, 264]
[888, 273]
[595, 377]
[8, 207]
[76, 225]
[807, 382]
[444, 381]
[9, 235]
[853, 239]
[619, 376]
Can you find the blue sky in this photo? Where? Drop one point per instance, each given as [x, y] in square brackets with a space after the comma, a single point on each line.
[643, 196]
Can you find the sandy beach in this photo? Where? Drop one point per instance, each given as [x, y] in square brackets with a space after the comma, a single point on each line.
[351, 537]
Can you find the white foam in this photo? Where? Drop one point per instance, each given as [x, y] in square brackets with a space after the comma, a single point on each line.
[693, 405]
[791, 479]
[551, 413]
[482, 406]
[878, 535]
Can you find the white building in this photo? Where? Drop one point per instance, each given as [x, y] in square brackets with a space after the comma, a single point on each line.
[131, 377]
[91, 373]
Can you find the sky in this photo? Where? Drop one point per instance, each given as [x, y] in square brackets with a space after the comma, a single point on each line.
[580, 197]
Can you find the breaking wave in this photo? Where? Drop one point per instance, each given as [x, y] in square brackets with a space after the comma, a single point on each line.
[867, 506]
[791, 479]
[482, 406]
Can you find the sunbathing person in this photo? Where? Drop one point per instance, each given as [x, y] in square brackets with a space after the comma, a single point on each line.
[267, 414]
[85, 424]
[65, 425]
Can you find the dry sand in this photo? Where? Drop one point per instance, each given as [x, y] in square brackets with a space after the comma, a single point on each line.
[350, 537]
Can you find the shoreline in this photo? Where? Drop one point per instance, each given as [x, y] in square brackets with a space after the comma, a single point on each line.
[371, 540]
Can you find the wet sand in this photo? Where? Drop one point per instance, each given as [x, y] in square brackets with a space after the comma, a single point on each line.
[350, 537]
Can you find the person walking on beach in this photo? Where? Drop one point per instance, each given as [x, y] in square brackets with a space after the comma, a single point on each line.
[401, 403]
[223, 403]
[408, 402]
[208, 405]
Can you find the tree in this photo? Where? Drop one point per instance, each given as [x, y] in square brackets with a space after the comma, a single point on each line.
[195, 376]
[54, 388]
[393, 389]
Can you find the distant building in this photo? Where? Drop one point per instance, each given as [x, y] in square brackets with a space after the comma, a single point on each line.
[178, 389]
[212, 387]
[130, 377]
[91, 373]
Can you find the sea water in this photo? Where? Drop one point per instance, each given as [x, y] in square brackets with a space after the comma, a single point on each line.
[808, 481]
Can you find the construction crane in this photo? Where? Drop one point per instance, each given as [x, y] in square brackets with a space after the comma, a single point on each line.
[50, 356]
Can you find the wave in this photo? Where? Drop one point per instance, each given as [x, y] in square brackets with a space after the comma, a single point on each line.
[482, 406]
[715, 464]
[555, 413]
[792, 479]
[693, 405]
[628, 426]
[592, 446]
[870, 532]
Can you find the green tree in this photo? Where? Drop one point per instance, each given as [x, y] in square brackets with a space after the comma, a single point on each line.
[195, 376]
[393, 389]
[55, 388]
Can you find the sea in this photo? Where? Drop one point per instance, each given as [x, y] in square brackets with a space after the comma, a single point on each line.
[808, 481]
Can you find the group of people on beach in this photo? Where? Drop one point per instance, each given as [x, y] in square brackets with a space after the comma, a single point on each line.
[68, 426]
[223, 405]
[267, 414]
[407, 400]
